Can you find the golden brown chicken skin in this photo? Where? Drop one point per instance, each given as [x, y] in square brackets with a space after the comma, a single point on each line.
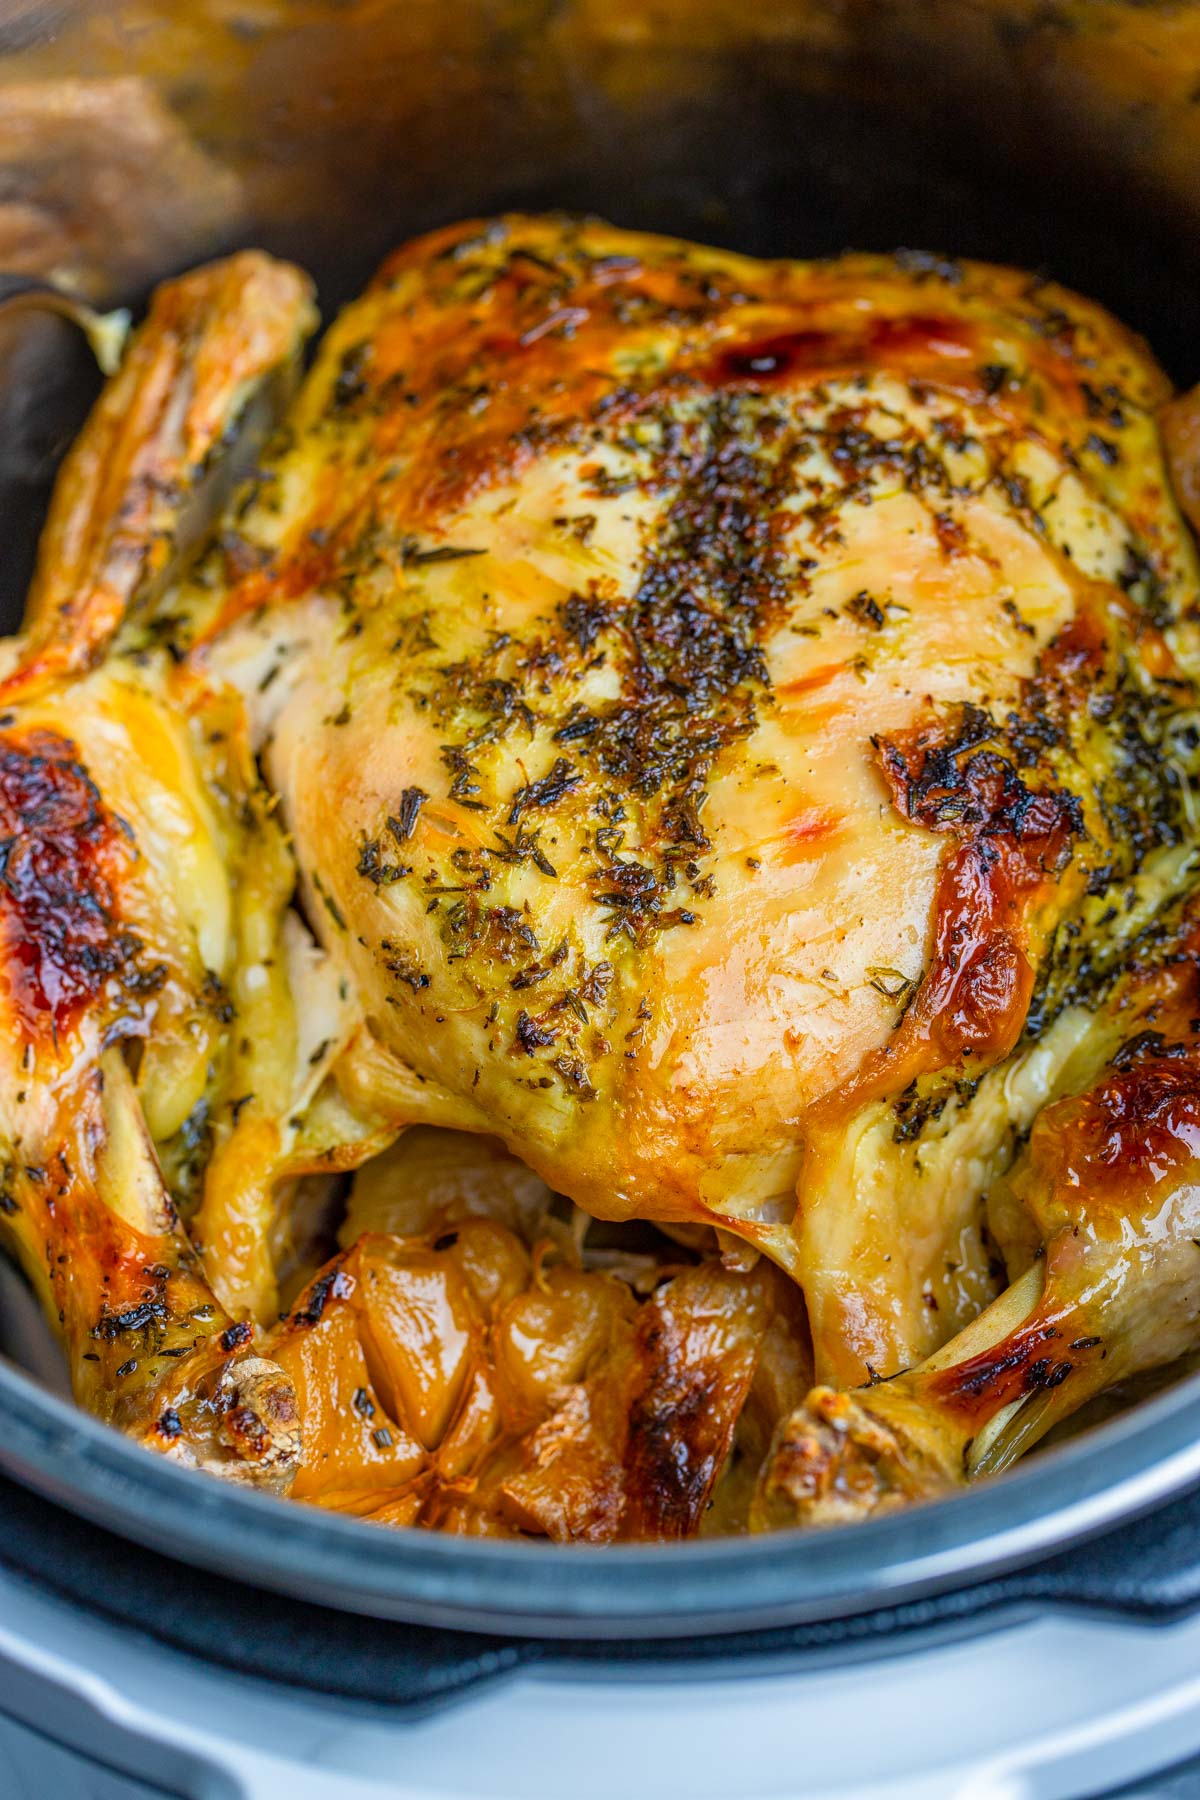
[698, 738]
[114, 917]
[123, 837]
[1098, 1223]
[698, 691]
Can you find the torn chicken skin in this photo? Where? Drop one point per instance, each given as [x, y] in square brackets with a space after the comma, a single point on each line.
[708, 743]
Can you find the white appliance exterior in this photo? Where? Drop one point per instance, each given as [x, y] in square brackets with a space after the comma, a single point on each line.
[1051, 1708]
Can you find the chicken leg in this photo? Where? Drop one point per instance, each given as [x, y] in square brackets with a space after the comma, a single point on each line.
[1099, 1223]
[115, 910]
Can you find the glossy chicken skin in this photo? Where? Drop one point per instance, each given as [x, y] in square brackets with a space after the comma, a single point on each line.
[1098, 1222]
[674, 670]
[124, 832]
[118, 922]
[727, 725]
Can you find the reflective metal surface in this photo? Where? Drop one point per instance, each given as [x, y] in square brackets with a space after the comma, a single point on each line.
[1116, 1472]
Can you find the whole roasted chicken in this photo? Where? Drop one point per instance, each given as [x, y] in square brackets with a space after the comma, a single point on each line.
[645, 862]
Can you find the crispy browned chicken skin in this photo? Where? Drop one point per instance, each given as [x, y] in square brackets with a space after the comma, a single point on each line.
[718, 734]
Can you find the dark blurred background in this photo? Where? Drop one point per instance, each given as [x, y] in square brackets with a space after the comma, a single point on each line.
[138, 136]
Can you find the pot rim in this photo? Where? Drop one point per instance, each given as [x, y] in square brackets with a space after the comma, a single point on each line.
[1114, 1473]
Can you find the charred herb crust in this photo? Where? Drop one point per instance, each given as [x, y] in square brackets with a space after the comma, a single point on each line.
[1122, 804]
[61, 857]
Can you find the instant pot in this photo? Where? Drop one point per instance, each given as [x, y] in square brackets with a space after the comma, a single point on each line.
[163, 1634]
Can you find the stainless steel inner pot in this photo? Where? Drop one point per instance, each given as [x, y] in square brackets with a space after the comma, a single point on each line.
[140, 136]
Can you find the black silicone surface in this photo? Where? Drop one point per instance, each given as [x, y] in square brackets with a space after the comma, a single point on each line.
[1149, 1569]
